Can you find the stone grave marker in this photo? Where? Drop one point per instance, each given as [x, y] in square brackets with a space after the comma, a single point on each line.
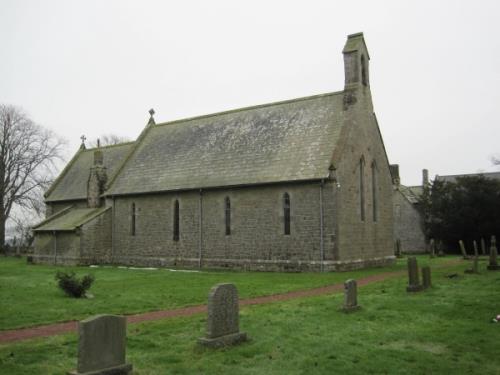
[426, 277]
[413, 279]
[483, 246]
[462, 249]
[432, 248]
[223, 317]
[350, 296]
[475, 263]
[101, 346]
[493, 266]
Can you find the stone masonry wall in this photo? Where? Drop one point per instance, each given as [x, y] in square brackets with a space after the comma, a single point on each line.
[257, 239]
[96, 240]
[408, 225]
[62, 248]
[368, 239]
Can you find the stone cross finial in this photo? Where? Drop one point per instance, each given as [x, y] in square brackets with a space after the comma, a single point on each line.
[98, 143]
[151, 118]
[151, 112]
[83, 138]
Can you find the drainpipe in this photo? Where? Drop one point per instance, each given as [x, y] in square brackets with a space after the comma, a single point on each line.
[321, 241]
[200, 215]
[55, 246]
[112, 230]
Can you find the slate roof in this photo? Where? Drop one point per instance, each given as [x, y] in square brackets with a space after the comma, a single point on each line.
[72, 182]
[69, 220]
[453, 178]
[286, 141]
[411, 193]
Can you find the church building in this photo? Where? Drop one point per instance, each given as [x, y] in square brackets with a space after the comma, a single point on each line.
[297, 185]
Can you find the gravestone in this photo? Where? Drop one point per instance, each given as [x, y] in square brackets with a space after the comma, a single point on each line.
[350, 296]
[462, 249]
[223, 317]
[440, 249]
[413, 279]
[493, 266]
[101, 346]
[483, 246]
[432, 248]
[398, 248]
[475, 264]
[426, 277]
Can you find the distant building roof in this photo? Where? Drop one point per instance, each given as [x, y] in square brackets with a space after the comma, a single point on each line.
[411, 193]
[453, 178]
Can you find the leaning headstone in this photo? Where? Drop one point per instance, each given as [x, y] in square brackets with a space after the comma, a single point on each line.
[350, 296]
[483, 246]
[413, 279]
[398, 248]
[223, 326]
[426, 277]
[476, 251]
[101, 346]
[493, 266]
[475, 264]
[432, 248]
[462, 249]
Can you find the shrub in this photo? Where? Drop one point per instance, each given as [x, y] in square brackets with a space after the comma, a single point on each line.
[72, 285]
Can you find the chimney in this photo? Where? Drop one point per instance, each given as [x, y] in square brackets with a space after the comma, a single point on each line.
[425, 177]
[97, 179]
[394, 169]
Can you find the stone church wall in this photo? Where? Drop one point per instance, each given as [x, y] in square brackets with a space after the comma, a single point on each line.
[62, 248]
[95, 240]
[369, 241]
[257, 240]
[408, 227]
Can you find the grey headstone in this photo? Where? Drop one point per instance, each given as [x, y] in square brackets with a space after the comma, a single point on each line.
[101, 346]
[483, 246]
[462, 249]
[476, 251]
[426, 277]
[350, 296]
[223, 317]
[493, 255]
[432, 248]
[413, 279]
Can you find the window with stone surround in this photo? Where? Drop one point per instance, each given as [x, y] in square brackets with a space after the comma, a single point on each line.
[132, 219]
[362, 188]
[286, 213]
[374, 191]
[176, 220]
[227, 212]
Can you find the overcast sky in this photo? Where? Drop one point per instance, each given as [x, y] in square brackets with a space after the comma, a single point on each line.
[97, 67]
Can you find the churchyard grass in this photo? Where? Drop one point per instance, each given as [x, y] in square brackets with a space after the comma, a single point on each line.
[446, 329]
[30, 296]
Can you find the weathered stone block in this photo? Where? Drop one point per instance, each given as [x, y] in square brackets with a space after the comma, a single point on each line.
[350, 296]
[426, 277]
[101, 346]
[223, 317]
[413, 278]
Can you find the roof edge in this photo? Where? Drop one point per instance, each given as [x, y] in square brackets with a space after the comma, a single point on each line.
[52, 217]
[63, 173]
[251, 107]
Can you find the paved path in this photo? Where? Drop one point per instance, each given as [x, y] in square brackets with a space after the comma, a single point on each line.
[72, 326]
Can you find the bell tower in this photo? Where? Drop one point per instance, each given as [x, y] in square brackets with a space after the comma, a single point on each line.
[356, 62]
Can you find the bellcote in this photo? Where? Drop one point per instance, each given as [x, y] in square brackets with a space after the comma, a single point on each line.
[356, 62]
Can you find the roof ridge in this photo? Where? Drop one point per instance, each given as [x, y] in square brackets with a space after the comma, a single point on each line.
[248, 108]
[109, 146]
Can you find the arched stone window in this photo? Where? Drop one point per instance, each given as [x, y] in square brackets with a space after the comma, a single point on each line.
[374, 191]
[286, 213]
[132, 219]
[362, 188]
[364, 77]
[176, 220]
[227, 212]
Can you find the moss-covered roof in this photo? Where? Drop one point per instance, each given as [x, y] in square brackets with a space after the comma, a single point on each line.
[70, 220]
[287, 141]
[72, 182]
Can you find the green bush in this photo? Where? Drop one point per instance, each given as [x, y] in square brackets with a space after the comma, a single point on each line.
[72, 285]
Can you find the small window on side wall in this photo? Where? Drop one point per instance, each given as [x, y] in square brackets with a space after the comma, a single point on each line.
[374, 191]
[227, 212]
[362, 188]
[132, 219]
[176, 220]
[286, 213]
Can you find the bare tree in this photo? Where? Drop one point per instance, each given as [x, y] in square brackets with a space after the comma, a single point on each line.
[108, 139]
[27, 156]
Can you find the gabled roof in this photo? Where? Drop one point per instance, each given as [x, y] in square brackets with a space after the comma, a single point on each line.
[70, 220]
[453, 178]
[286, 141]
[72, 182]
[411, 193]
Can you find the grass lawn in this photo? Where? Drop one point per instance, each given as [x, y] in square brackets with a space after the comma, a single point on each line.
[440, 331]
[30, 296]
